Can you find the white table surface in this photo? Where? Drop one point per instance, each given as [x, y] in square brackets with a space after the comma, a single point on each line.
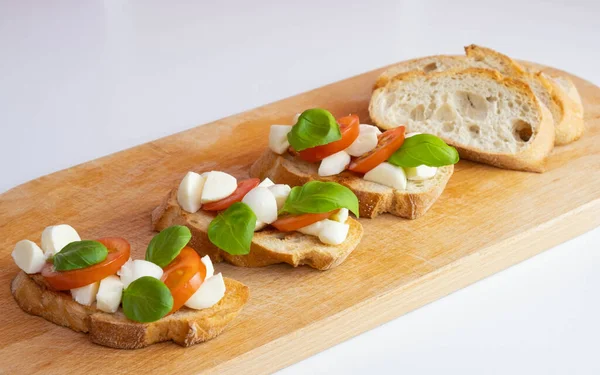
[82, 79]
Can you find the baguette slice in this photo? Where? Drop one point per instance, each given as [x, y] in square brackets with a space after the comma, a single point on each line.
[374, 198]
[269, 246]
[557, 93]
[186, 327]
[488, 117]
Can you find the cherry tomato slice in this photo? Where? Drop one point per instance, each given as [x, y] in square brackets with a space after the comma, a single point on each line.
[242, 189]
[295, 222]
[388, 143]
[118, 254]
[183, 276]
[349, 127]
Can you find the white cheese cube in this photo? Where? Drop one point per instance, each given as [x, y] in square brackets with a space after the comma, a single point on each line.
[217, 185]
[263, 204]
[334, 164]
[189, 194]
[266, 183]
[56, 237]
[28, 256]
[281, 193]
[366, 141]
[365, 128]
[211, 291]
[313, 229]
[388, 175]
[341, 215]
[333, 232]
[210, 269]
[86, 295]
[420, 173]
[109, 294]
[408, 135]
[134, 269]
[278, 142]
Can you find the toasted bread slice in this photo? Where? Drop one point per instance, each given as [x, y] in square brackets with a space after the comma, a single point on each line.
[186, 327]
[374, 198]
[488, 117]
[557, 93]
[269, 246]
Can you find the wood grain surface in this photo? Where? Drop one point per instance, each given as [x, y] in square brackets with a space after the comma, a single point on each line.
[487, 220]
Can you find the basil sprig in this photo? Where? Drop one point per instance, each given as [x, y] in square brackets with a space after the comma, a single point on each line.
[79, 254]
[166, 245]
[424, 149]
[319, 197]
[232, 230]
[147, 300]
[315, 127]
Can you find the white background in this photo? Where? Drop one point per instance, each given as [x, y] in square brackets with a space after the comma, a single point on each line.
[82, 79]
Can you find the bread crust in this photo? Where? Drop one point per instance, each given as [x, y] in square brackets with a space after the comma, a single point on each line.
[185, 327]
[532, 159]
[374, 199]
[571, 126]
[269, 246]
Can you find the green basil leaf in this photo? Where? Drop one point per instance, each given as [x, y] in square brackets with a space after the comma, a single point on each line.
[315, 127]
[147, 300]
[232, 230]
[424, 149]
[166, 245]
[318, 197]
[79, 254]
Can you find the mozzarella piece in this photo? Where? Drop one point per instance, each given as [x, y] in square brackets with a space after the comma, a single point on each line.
[313, 229]
[86, 295]
[259, 225]
[333, 232]
[281, 193]
[209, 294]
[56, 237]
[334, 164]
[388, 175]
[189, 194]
[296, 117]
[109, 294]
[263, 204]
[218, 185]
[365, 128]
[134, 269]
[365, 142]
[266, 183]
[420, 173]
[341, 215]
[278, 142]
[210, 270]
[28, 256]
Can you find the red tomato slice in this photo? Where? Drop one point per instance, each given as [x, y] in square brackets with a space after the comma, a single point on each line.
[388, 143]
[349, 127]
[242, 189]
[295, 222]
[183, 276]
[118, 254]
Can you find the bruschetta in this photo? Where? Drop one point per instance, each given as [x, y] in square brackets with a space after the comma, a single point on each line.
[94, 286]
[390, 172]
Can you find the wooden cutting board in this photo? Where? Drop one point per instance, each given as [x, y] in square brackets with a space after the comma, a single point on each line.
[487, 220]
